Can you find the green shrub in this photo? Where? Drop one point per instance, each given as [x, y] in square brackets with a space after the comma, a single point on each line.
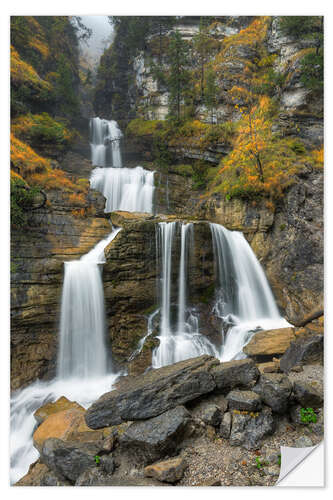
[21, 200]
[308, 416]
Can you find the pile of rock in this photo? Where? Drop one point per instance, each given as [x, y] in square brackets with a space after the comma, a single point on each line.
[135, 434]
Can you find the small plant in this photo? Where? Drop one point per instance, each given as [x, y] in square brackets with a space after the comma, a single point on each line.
[279, 460]
[97, 459]
[260, 463]
[308, 416]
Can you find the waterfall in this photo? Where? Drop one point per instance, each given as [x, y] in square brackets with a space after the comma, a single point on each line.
[82, 365]
[82, 351]
[127, 189]
[244, 300]
[181, 340]
[105, 143]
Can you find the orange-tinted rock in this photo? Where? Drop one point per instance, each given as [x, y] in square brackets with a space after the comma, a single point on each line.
[270, 342]
[50, 408]
[168, 471]
[63, 425]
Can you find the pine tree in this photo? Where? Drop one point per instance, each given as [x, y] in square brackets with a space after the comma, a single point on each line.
[178, 76]
[210, 93]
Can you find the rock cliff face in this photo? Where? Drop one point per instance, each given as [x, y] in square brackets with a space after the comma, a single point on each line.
[288, 242]
[52, 236]
[131, 281]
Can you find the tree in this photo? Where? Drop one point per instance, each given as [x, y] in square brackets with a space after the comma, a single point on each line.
[254, 132]
[203, 43]
[178, 75]
[160, 25]
[210, 92]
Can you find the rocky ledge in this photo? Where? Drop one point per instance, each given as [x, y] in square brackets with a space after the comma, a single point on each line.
[197, 422]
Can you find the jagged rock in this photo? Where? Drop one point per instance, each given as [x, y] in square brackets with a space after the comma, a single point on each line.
[307, 395]
[305, 349]
[62, 425]
[208, 412]
[225, 426]
[275, 390]
[157, 437]
[168, 471]
[248, 430]
[242, 373]
[244, 400]
[69, 459]
[50, 408]
[153, 393]
[269, 343]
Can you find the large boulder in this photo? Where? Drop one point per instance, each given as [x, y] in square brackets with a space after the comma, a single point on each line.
[54, 407]
[168, 471]
[137, 398]
[306, 349]
[69, 459]
[269, 343]
[62, 425]
[244, 400]
[275, 390]
[153, 439]
[157, 391]
[248, 429]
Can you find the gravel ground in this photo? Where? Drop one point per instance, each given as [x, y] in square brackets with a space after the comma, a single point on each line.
[213, 462]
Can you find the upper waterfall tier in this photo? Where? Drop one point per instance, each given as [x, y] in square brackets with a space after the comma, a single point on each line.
[105, 143]
[128, 189]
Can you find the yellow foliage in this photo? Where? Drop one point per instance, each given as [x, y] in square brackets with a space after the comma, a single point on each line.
[22, 72]
[318, 156]
[24, 158]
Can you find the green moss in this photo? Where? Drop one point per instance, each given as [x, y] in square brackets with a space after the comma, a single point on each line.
[184, 170]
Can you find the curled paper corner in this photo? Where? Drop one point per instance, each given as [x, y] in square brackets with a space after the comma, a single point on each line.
[291, 458]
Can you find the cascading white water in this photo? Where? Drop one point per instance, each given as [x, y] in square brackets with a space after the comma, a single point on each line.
[82, 351]
[105, 143]
[82, 373]
[127, 189]
[183, 340]
[244, 299]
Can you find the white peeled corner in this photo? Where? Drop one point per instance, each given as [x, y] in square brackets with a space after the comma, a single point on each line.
[296, 471]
